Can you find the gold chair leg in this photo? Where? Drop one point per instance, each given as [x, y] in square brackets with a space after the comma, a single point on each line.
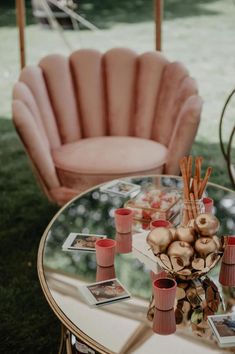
[62, 340]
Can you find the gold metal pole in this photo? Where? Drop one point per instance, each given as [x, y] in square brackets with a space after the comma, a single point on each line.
[20, 17]
[158, 11]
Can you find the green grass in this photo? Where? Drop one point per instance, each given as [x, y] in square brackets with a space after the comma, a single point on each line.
[27, 322]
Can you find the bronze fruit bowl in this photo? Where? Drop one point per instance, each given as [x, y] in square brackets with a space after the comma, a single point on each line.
[188, 252]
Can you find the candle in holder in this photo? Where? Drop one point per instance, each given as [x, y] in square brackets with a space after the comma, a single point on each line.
[208, 204]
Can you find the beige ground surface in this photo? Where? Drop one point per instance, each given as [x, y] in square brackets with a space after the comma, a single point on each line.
[205, 43]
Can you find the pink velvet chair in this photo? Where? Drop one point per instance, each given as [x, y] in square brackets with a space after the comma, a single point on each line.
[94, 117]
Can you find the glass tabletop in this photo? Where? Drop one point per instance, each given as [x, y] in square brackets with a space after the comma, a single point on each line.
[124, 326]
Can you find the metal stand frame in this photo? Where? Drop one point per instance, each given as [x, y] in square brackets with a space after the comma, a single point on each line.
[227, 153]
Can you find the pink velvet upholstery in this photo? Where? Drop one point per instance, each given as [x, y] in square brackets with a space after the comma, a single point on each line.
[93, 117]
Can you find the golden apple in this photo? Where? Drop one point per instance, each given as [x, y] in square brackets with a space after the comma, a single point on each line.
[205, 245]
[207, 224]
[159, 239]
[185, 234]
[181, 250]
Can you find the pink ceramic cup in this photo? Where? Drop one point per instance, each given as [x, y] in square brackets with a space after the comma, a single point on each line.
[164, 322]
[208, 204]
[229, 251]
[124, 242]
[227, 274]
[164, 291]
[123, 220]
[159, 223]
[105, 273]
[105, 252]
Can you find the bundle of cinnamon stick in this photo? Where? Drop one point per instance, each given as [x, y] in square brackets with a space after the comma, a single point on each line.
[193, 184]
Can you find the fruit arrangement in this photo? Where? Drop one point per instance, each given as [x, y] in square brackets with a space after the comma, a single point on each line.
[188, 252]
[154, 204]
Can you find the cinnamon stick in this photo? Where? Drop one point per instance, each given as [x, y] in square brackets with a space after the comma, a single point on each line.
[204, 181]
[193, 205]
[189, 169]
[185, 179]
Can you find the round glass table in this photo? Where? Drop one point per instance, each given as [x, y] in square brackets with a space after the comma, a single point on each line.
[125, 326]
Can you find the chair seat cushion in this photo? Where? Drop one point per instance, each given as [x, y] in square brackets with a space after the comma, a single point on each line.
[110, 155]
[92, 161]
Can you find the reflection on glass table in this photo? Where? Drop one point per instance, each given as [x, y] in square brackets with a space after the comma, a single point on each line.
[124, 327]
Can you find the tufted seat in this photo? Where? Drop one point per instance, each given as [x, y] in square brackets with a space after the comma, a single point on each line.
[93, 117]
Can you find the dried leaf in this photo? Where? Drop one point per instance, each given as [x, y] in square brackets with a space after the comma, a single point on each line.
[166, 260]
[198, 263]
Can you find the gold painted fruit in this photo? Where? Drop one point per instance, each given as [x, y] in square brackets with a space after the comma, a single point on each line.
[207, 224]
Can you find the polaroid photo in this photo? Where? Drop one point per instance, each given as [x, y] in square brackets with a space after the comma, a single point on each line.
[121, 188]
[223, 326]
[104, 292]
[81, 242]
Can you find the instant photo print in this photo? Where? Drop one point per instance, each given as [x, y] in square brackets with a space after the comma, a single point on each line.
[121, 188]
[223, 327]
[82, 242]
[104, 292]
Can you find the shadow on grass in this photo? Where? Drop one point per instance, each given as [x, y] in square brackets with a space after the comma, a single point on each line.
[106, 13]
[27, 323]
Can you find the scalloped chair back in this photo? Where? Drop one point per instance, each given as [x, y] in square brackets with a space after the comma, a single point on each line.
[92, 117]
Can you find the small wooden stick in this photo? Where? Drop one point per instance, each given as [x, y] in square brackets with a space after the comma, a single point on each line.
[195, 188]
[184, 176]
[194, 209]
[196, 170]
[189, 169]
[204, 182]
[195, 191]
[199, 167]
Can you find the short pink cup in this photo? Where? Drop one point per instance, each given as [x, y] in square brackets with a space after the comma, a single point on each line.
[124, 242]
[164, 291]
[164, 322]
[229, 251]
[105, 252]
[105, 273]
[159, 223]
[123, 220]
[227, 274]
[208, 204]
